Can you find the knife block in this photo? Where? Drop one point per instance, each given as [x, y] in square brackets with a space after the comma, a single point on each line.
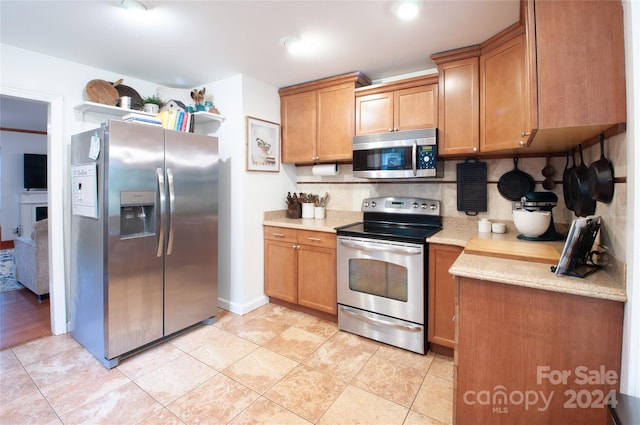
[294, 210]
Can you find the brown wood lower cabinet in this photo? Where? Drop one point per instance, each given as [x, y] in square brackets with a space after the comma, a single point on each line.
[300, 267]
[442, 290]
[529, 356]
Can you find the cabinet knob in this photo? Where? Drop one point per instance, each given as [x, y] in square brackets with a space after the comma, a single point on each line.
[521, 143]
[475, 149]
[390, 130]
[525, 134]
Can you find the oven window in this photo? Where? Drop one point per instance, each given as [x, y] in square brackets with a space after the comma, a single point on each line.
[379, 278]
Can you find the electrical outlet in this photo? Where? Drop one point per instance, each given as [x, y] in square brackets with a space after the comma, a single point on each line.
[16, 231]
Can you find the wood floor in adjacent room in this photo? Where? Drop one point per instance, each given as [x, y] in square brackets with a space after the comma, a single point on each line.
[22, 318]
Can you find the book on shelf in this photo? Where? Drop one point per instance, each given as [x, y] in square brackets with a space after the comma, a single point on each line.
[179, 120]
[141, 119]
[176, 120]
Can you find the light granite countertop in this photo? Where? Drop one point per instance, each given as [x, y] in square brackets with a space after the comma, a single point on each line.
[332, 220]
[602, 284]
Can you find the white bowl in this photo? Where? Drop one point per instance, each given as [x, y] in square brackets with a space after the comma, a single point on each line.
[531, 223]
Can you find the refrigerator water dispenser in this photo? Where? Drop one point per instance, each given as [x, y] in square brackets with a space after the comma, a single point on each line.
[137, 214]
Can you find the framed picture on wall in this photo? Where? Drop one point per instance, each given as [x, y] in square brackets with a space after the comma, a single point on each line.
[263, 145]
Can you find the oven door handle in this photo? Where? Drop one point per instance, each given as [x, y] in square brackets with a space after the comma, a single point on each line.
[363, 246]
[376, 321]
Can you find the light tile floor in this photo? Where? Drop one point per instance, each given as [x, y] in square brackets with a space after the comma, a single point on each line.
[271, 366]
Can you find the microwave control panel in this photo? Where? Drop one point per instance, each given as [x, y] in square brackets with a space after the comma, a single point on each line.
[427, 157]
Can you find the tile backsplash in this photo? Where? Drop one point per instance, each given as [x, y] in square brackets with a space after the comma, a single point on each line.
[347, 192]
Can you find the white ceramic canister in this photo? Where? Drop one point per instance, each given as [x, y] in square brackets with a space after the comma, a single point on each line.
[125, 102]
[498, 227]
[484, 226]
[308, 210]
[319, 213]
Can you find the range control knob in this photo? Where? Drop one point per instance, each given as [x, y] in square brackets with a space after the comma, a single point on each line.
[373, 204]
[414, 205]
[424, 206]
[366, 203]
[433, 207]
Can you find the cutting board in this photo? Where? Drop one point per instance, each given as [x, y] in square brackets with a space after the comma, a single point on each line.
[538, 252]
[100, 91]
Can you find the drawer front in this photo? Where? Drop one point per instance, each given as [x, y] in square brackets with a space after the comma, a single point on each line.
[323, 239]
[280, 233]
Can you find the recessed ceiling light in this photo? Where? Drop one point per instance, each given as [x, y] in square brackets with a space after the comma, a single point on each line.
[406, 9]
[293, 45]
[133, 5]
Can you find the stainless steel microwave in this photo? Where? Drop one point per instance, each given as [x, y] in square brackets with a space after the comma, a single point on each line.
[398, 154]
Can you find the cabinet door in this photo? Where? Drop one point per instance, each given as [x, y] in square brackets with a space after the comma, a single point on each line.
[298, 114]
[317, 278]
[336, 121]
[374, 113]
[504, 97]
[280, 270]
[441, 323]
[415, 107]
[459, 107]
[585, 85]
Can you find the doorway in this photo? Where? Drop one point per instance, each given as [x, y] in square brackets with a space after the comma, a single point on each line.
[56, 176]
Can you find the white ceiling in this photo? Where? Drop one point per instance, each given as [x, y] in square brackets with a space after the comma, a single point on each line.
[190, 43]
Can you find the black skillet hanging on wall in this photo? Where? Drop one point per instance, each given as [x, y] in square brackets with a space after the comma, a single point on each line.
[515, 183]
[583, 204]
[601, 177]
[566, 180]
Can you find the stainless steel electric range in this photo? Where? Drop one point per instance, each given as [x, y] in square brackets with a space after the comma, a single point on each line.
[382, 271]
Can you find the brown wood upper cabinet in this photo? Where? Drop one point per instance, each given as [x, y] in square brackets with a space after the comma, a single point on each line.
[558, 75]
[458, 101]
[547, 83]
[401, 105]
[318, 119]
[505, 120]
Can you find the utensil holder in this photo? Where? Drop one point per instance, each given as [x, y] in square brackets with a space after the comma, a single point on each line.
[308, 210]
[294, 210]
[319, 213]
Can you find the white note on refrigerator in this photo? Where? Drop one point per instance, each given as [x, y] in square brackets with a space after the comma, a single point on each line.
[84, 189]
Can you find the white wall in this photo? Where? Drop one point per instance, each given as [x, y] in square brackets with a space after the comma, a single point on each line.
[244, 195]
[13, 146]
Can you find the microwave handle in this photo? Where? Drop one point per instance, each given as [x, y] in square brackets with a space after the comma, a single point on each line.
[414, 158]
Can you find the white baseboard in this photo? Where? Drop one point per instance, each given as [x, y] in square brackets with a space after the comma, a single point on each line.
[242, 309]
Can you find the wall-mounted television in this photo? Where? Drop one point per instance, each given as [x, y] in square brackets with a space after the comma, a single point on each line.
[35, 171]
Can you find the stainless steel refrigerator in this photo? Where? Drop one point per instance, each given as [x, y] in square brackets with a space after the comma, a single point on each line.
[144, 236]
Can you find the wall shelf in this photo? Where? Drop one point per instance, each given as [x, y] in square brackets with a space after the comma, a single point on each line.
[205, 122]
[106, 109]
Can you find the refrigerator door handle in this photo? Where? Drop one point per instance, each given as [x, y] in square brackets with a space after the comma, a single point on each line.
[172, 210]
[163, 202]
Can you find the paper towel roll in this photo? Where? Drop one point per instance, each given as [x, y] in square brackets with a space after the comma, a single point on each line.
[325, 170]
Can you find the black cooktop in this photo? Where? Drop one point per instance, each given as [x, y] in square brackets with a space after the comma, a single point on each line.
[396, 219]
[389, 231]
